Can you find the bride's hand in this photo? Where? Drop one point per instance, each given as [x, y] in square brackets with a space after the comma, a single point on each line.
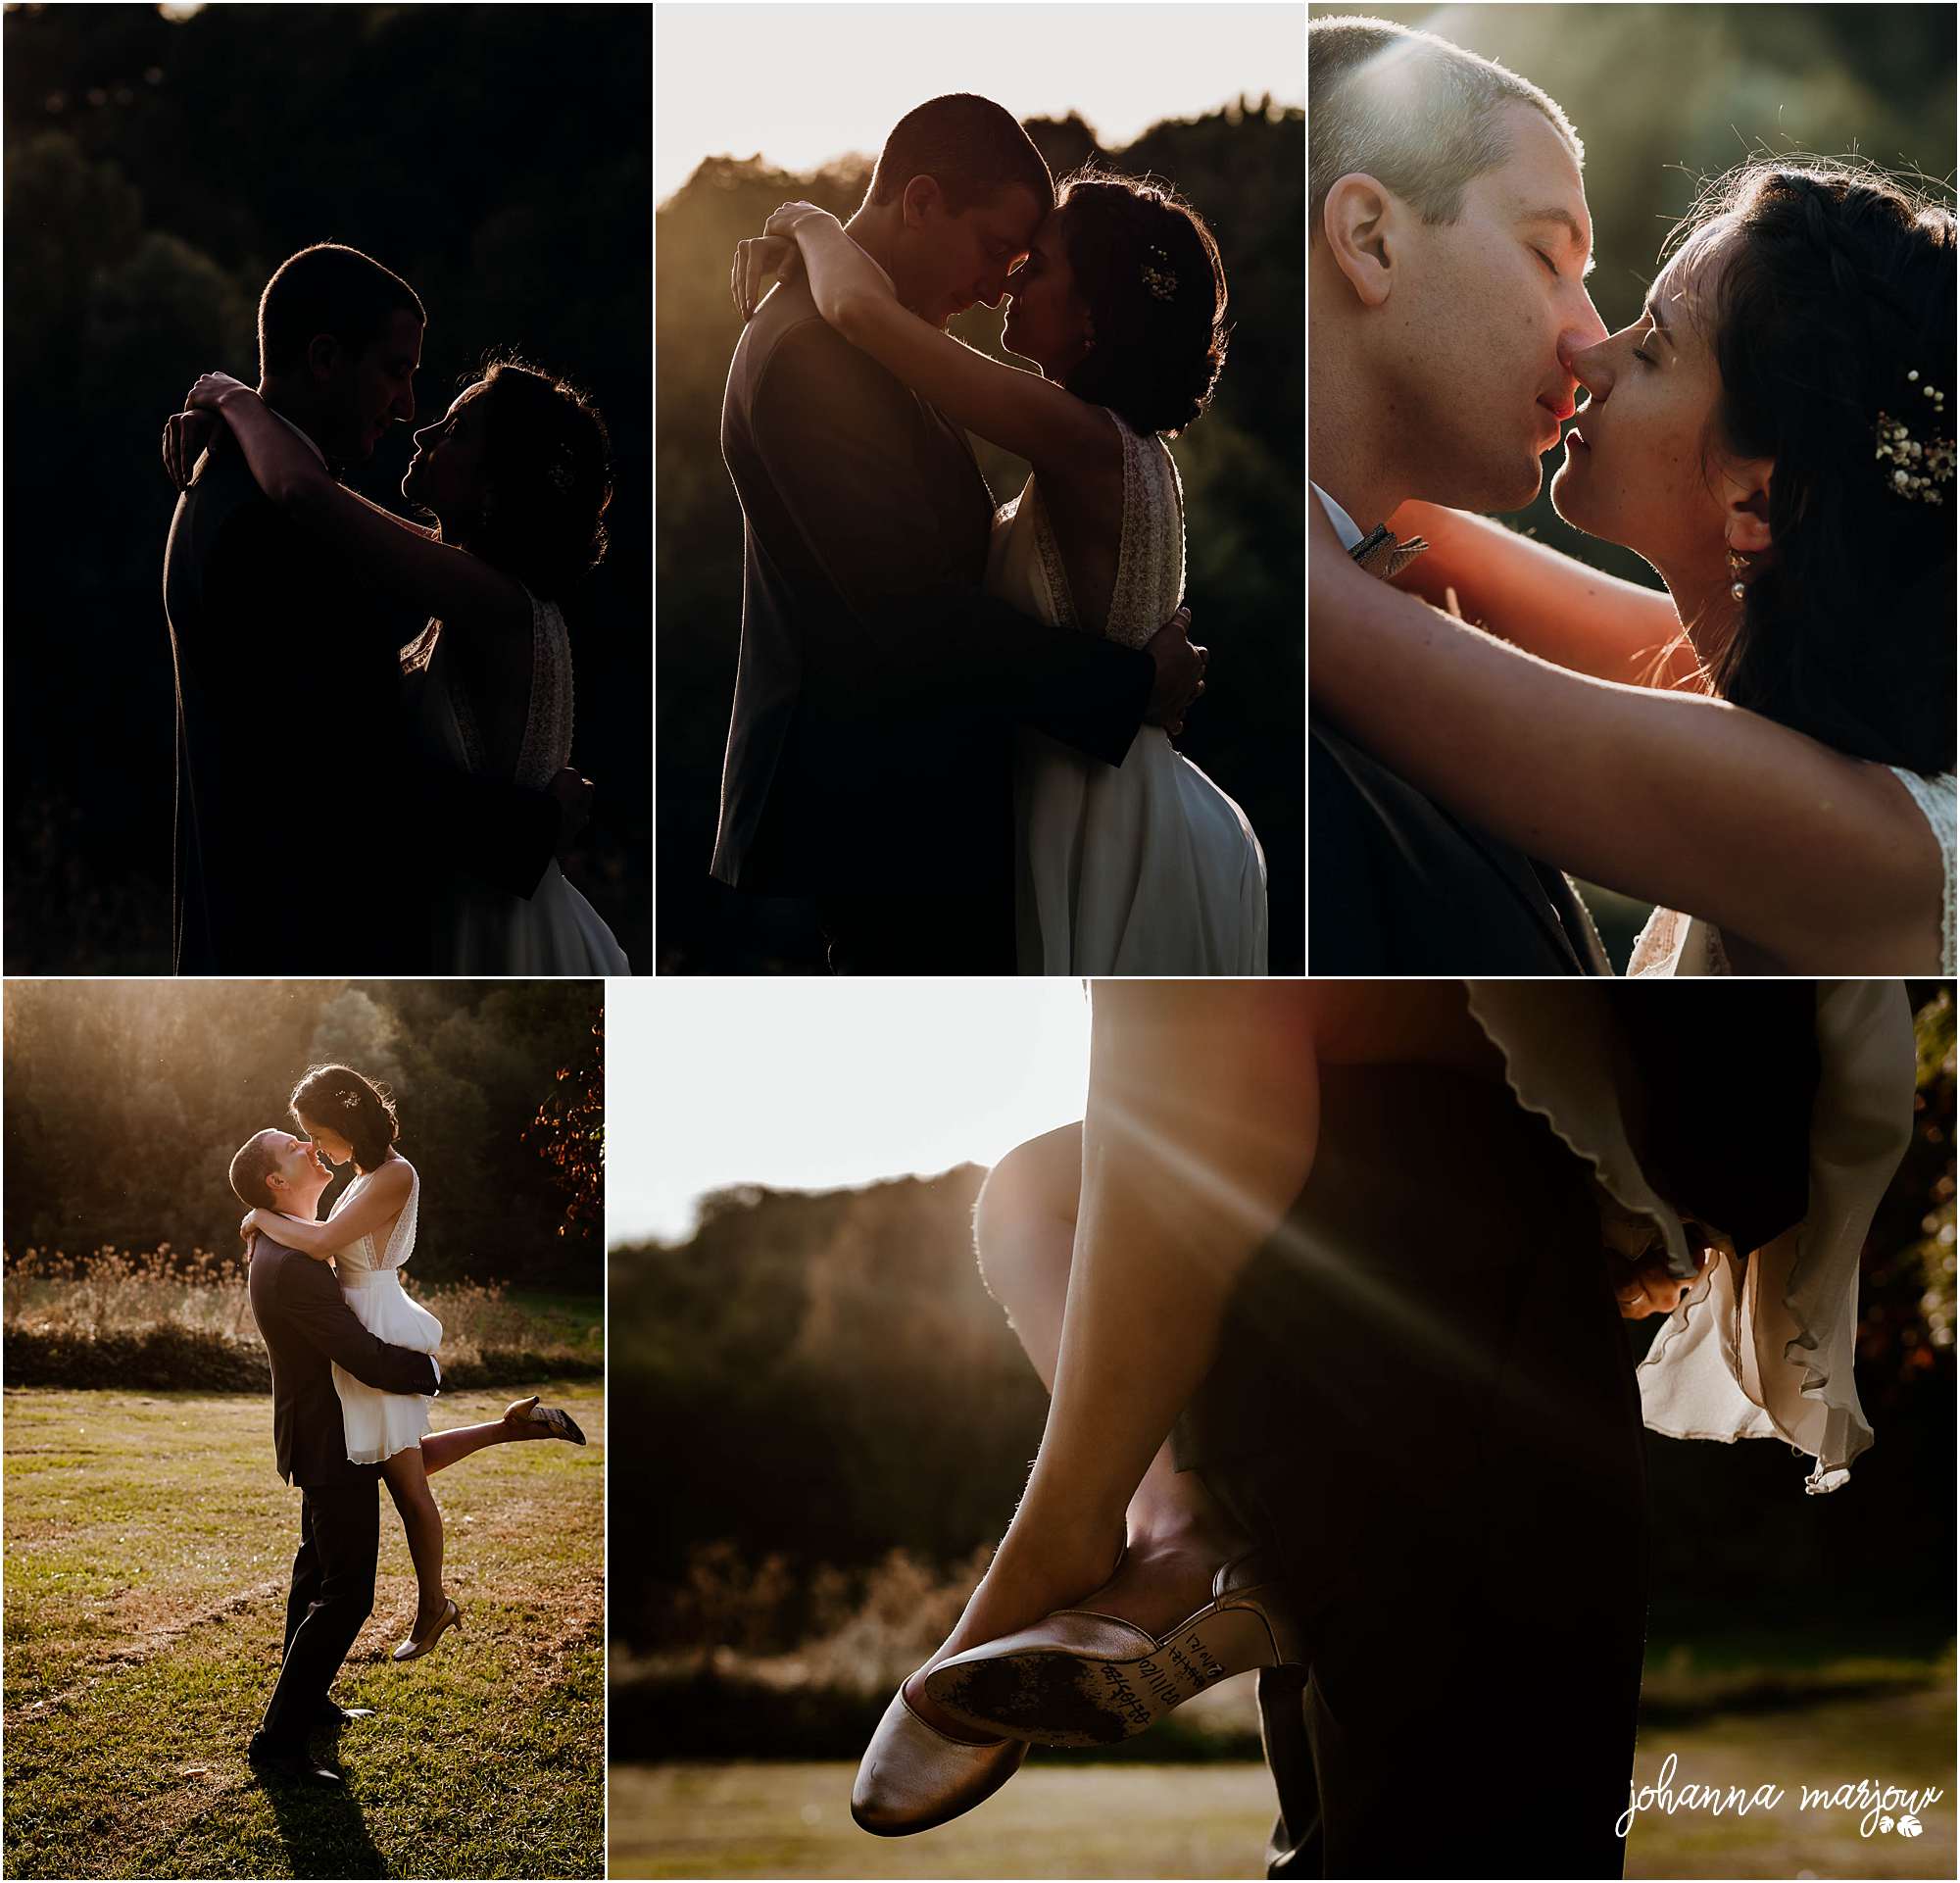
[1645, 1287]
[210, 391]
[187, 436]
[783, 220]
[757, 258]
[248, 1226]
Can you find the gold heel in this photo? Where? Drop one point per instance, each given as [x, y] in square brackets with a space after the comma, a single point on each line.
[416, 1645]
[913, 1778]
[1080, 1678]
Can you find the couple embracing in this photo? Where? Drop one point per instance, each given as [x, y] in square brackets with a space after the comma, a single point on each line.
[401, 690]
[353, 1371]
[953, 724]
[1765, 752]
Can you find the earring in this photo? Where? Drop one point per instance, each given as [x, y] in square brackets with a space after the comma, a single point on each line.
[1737, 565]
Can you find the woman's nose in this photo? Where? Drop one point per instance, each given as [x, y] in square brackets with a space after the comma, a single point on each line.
[1589, 364]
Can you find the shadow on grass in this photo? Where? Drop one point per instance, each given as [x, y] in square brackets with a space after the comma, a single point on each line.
[322, 1827]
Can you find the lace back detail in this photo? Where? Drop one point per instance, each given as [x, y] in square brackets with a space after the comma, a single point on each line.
[1149, 556]
[1936, 800]
[547, 746]
[1150, 551]
[402, 1238]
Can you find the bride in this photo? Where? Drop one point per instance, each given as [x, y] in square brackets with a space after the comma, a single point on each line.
[1447, 1372]
[516, 476]
[1766, 752]
[1149, 867]
[368, 1234]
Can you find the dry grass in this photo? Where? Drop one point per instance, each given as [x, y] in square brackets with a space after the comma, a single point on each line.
[110, 1291]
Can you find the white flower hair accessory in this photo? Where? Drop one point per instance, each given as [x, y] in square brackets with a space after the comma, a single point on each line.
[1161, 280]
[350, 1101]
[1919, 466]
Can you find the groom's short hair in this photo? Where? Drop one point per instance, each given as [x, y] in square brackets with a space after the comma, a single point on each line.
[1420, 116]
[328, 288]
[971, 147]
[251, 1167]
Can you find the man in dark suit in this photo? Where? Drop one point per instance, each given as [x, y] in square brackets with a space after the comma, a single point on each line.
[1448, 242]
[306, 1324]
[869, 750]
[289, 687]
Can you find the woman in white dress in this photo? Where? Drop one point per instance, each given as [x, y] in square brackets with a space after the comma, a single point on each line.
[1116, 1266]
[1772, 435]
[1147, 868]
[367, 1235]
[516, 476]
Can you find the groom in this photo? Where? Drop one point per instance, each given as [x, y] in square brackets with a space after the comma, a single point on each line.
[1447, 241]
[306, 1324]
[288, 681]
[870, 741]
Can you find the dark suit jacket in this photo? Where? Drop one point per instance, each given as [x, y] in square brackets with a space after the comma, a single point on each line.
[306, 1324]
[1395, 885]
[869, 748]
[289, 740]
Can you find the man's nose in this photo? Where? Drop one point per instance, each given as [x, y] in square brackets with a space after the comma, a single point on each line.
[1581, 329]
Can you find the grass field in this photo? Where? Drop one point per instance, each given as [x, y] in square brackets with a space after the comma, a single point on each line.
[148, 1544]
[1095, 1821]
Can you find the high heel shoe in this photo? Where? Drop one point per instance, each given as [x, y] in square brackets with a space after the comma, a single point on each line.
[913, 1777]
[416, 1645]
[1081, 1678]
[555, 1421]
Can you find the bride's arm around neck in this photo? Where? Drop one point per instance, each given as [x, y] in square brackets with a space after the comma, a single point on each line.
[1822, 861]
[381, 1200]
[1035, 418]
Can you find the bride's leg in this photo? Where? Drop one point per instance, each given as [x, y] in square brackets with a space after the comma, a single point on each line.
[1201, 1120]
[443, 1449]
[421, 1523]
[1024, 1235]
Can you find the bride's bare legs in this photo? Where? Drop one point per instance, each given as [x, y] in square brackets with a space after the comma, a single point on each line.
[421, 1523]
[1203, 1115]
[408, 1475]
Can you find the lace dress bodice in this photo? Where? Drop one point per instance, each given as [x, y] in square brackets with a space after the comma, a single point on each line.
[546, 748]
[361, 1258]
[1674, 944]
[1147, 868]
[1150, 551]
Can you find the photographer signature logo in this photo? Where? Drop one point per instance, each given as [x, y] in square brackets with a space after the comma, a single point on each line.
[1886, 1808]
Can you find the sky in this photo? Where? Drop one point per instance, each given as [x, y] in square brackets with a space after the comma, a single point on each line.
[802, 84]
[816, 1085]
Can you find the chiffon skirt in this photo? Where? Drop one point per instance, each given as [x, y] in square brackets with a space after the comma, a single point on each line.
[379, 1425]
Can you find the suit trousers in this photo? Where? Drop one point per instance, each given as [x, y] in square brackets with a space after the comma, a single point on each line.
[919, 934]
[1424, 1403]
[333, 1594]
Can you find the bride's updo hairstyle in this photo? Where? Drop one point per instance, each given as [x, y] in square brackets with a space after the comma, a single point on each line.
[1834, 301]
[362, 1113]
[1150, 274]
[548, 478]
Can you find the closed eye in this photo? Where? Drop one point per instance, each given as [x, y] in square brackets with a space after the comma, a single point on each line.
[1547, 260]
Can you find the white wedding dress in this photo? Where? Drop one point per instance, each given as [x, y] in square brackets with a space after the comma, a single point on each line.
[479, 929]
[1763, 1344]
[1673, 944]
[1147, 868]
[379, 1425]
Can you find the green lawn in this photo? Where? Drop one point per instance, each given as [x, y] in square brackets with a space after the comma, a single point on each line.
[1099, 1820]
[148, 1543]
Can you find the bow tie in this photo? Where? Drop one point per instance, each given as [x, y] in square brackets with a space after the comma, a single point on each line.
[1381, 554]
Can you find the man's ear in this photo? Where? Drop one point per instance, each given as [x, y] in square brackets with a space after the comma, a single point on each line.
[1745, 491]
[324, 354]
[922, 198]
[1362, 224]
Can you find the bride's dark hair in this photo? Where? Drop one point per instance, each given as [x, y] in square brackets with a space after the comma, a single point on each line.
[1834, 303]
[1150, 274]
[548, 475]
[363, 1113]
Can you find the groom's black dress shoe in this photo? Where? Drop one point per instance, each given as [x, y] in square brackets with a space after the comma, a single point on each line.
[289, 1764]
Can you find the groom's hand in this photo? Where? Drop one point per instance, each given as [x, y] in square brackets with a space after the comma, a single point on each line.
[1180, 673]
[574, 795]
